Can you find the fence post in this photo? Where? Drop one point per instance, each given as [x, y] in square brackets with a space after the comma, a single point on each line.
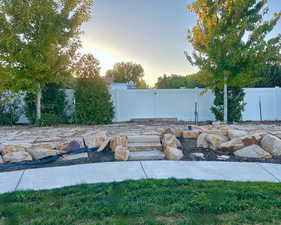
[276, 94]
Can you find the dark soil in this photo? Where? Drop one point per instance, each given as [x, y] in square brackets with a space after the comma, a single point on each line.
[211, 155]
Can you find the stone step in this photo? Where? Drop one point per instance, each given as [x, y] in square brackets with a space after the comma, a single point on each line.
[144, 139]
[146, 155]
[144, 146]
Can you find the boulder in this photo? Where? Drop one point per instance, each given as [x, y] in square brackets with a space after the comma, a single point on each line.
[121, 153]
[253, 151]
[120, 139]
[7, 148]
[40, 153]
[95, 139]
[238, 143]
[177, 131]
[191, 134]
[173, 153]
[21, 156]
[271, 144]
[170, 140]
[104, 145]
[202, 141]
[236, 133]
[214, 140]
[70, 146]
[1, 160]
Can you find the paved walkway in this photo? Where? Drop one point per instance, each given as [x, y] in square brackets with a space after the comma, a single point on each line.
[56, 177]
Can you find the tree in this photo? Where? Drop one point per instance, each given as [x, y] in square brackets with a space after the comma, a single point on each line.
[38, 40]
[270, 77]
[53, 106]
[176, 81]
[93, 100]
[124, 72]
[230, 44]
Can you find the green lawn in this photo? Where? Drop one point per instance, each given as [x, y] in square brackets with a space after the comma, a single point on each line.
[150, 202]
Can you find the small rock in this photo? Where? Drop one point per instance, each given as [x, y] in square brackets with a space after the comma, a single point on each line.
[173, 153]
[271, 144]
[121, 153]
[253, 151]
[202, 141]
[223, 157]
[40, 153]
[12, 157]
[191, 134]
[198, 155]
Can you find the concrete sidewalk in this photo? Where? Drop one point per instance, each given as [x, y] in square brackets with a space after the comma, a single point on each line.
[56, 177]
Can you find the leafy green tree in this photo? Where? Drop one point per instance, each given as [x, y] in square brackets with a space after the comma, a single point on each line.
[176, 81]
[93, 100]
[125, 72]
[236, 105]
[269, 77]
[38, 39]
[230, 42]
[53, 106]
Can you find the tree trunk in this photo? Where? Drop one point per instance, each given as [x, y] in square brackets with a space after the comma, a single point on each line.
[38, 102]
[225, 104]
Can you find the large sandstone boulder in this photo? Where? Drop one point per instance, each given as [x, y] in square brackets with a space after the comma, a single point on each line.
[95, 139]
[12, 157]
[7, 148]
[191, 134]
[174, 130]
[172, 153]
[40, 153]
[236, 133]
[214, 140]
[120, 139]
[238, 143]
[170, 140]
[253, 151]
[271, 144]
[121, 153]
[202, 141]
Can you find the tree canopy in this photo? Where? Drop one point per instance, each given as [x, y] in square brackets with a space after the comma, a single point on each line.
[177, 81]
[125, 72]
[38, 38]
[230, 40]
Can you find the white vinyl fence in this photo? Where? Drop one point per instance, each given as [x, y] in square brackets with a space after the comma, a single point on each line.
[180, 103]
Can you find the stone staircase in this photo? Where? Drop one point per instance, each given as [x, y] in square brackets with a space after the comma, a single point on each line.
[145, 148]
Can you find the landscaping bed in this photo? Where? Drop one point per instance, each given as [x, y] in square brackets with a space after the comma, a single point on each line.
[147, 202]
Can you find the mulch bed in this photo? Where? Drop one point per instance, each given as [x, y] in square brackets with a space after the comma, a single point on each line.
[211, 155]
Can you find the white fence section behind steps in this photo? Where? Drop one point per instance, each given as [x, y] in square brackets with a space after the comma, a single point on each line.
[180, 103]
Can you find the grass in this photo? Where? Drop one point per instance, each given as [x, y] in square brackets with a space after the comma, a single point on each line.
[149, 202]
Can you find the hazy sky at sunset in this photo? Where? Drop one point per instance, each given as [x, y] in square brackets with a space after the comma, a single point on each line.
[148, 32]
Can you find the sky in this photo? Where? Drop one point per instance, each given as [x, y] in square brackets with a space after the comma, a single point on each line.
[148, 32]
